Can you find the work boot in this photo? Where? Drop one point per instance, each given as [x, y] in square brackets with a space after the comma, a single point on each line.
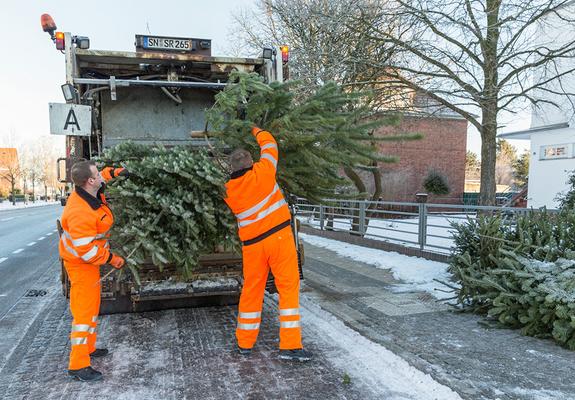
[99, 353]
[244, 352]
[87, 374]
[295, 355]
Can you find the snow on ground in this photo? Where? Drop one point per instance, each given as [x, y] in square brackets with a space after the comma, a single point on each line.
[6, 205]
[416, 274]
[403, 231]
[370, 362]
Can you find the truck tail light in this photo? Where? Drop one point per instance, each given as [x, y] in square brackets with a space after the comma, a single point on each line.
[285, 53]
[60, 45]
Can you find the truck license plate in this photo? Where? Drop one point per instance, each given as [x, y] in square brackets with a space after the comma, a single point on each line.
[151, 42]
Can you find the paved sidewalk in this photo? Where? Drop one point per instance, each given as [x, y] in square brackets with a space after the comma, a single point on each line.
[457, 349]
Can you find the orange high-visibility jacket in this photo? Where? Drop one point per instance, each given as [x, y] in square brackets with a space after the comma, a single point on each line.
[254, 196]
[86, 221]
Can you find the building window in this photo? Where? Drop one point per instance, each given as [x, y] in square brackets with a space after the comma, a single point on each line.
[556, 151]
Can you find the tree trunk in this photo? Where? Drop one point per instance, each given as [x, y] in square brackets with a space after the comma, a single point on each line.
[489, 105]
[488, 160]
[360, 186]
[358, 182]
[13, 183]
[376, 194]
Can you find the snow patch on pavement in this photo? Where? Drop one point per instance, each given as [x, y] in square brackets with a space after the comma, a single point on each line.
[371, 363]
[534, 394]
[416, 274]
[6, 205]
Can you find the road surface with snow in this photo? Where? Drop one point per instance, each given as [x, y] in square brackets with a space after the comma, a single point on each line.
[28, 240]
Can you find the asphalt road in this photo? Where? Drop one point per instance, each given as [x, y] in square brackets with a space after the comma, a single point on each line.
[28, 246]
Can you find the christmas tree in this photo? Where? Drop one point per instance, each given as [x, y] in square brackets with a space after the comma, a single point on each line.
[170, 210]
[521, 273]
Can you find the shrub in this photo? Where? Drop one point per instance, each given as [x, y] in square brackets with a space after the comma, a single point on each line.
[436, 183]
[567, 199]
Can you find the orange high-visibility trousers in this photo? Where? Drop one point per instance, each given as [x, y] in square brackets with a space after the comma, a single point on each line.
[277, 252]
[85, 307]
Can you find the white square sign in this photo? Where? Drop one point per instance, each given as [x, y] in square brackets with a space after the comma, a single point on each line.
[70, 119]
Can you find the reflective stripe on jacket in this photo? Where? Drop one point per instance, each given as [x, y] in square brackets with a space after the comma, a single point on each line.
[253, 194]
[86, 221]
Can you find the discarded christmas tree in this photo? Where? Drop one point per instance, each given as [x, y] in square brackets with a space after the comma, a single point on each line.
[521, 273]
[171, 209]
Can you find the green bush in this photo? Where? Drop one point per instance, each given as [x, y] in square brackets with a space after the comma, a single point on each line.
[436, 183]
[522, 273]
[567, 199]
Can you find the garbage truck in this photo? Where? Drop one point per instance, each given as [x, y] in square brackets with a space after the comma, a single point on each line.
[156, 94]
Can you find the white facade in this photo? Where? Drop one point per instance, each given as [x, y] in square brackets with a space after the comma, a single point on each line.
[552, 159]
[552, 132]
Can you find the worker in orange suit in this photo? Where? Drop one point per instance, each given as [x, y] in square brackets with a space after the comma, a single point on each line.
[84, 247]
[263, 216]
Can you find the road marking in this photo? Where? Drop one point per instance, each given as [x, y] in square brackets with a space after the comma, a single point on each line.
[31, 244]
[41, 238]
[17, 251]
[55, 230]
[48, 234]
[7, 219]
[3, 259]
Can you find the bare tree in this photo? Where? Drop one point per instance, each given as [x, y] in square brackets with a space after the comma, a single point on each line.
[478, 58]
[47, 176]
[38, 160]
[11, 173]
[325, 46]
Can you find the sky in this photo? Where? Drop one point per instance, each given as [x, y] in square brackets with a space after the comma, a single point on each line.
[32, 70]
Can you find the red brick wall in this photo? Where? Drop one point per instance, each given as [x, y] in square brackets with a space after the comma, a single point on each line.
[8, 157]
[442, 148]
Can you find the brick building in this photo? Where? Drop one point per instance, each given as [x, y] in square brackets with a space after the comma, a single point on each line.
[8, 161]
[442, 149]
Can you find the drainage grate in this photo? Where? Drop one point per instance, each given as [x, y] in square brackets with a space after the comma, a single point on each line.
[36, 293]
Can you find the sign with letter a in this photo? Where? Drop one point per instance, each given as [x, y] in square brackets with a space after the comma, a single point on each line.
[70, 119]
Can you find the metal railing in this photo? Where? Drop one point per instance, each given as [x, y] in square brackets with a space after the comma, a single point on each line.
[426, 226]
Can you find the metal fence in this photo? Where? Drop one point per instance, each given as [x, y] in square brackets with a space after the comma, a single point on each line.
[426, 226]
